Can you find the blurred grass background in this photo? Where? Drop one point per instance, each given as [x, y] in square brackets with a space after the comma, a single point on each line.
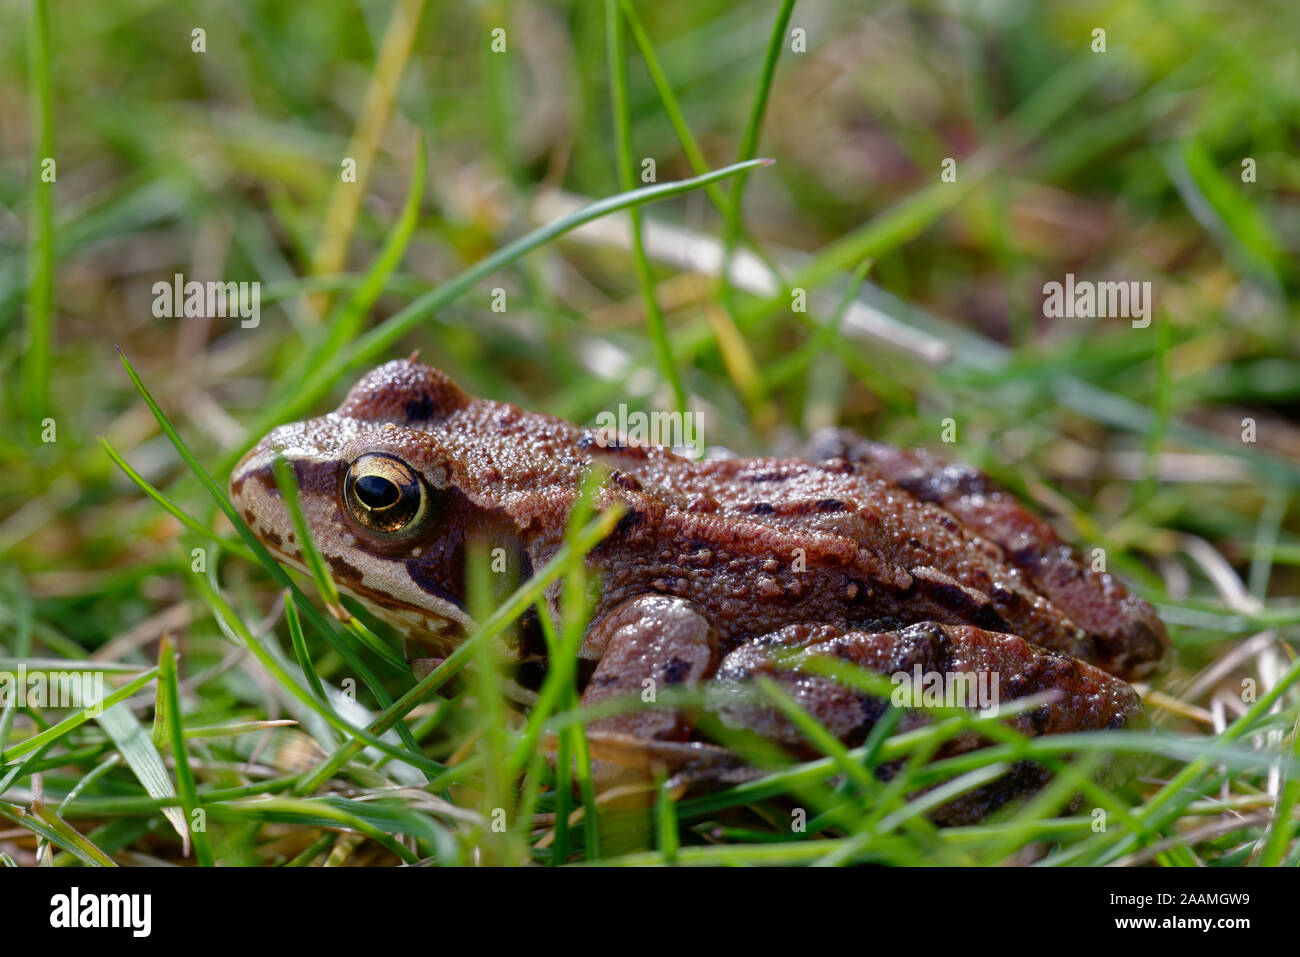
[225, 165]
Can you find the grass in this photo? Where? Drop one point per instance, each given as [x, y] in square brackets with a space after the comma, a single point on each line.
[257, 717]
[40, 251]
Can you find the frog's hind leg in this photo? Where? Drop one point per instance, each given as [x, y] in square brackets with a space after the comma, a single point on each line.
[1129, 637]
[936, 665]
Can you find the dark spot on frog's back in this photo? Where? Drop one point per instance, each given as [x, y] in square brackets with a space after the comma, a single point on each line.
[767, 475]
[676, 670]
[418, 410]
[625, 480]
[935, 486]
[631, 520]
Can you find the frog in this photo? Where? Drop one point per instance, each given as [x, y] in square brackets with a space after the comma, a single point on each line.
[721, 573]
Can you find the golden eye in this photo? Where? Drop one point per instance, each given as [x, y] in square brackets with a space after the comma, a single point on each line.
[384, 494]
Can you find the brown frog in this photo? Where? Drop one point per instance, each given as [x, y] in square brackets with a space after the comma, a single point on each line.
[719, 571]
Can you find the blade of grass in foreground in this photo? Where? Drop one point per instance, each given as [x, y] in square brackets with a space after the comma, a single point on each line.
[1283, 828]
[383, 336]
[288, 484]
[499, 845]
[299, 642]
[562, 653]
[184, 775]
[45, 822]
[40, 248]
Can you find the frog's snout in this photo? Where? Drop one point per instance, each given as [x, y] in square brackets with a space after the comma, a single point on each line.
[254, 467]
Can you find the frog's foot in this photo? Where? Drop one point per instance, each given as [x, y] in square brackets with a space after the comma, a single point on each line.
[1128, 636]
[928, 665]
[424, 664]
[626, 758]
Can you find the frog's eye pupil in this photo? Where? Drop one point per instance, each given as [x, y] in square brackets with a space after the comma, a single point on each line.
[375, 491]
[385, 495]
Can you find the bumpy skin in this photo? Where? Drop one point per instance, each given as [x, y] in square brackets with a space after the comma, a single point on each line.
[714, 560]
[1130, 639]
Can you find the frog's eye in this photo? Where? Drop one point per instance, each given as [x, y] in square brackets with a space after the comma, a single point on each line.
[384, 494]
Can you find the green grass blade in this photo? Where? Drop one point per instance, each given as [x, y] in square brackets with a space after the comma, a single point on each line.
[58, 831]
[677, 119]
[666, 823]
[1283, 829]
[40, 246]
[822, 739]
[184, 775]
[749, 140]
[300, 647]
[617, 57]
[193, 524]
[346, 320]
[228, 619]
[287, 482]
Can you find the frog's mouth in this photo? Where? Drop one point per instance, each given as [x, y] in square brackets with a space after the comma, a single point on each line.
[427, 633]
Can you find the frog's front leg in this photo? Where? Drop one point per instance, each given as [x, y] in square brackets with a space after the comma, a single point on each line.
[649, 643]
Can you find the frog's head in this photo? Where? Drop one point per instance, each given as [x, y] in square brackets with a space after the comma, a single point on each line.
[377, 481]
